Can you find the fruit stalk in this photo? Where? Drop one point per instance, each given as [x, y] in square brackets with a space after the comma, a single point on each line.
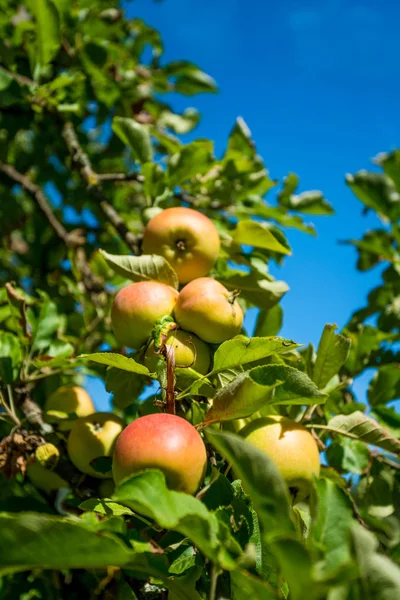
[169, 354]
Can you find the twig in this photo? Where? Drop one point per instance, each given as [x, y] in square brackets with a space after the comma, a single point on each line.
[169, 354]
[20, 300]
[213, 583]
[120, 177]
[93, 180]
[34, 415]
[21, 79]
[71, 239]
[9, 412]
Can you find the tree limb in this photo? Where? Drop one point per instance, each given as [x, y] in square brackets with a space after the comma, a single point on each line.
[93, 180]
[72, 239]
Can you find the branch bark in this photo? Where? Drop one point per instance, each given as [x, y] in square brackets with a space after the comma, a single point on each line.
[93, 180]
[72, 239]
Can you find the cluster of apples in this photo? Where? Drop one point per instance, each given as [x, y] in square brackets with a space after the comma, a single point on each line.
[206, 314]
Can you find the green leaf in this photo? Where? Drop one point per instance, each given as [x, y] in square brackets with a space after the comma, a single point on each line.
[241, 350]
[290, 184]
[243, 396]
[154, 180]
[11, 91]
[279, 214]
[330, 528]
[261, 480]
[333, 350]
[259, 235]
[348, 455]
[199, 384]
[56, 543]
[374, 247]
[244, 585]
[388, 417]
[46, 325]
[269, 322]
[188, 78]
[111, 359]
[48, 38]
[194, 159]
[297, 569]
[179, 123]
[364, 342]
[125, 592]
[376, 191]
[379, 576]
[105, 507]
[255, 288]
[360, 427]
[69, 543]
[390, 162]
[134, 135]
[385, 385]
[185, 559]
[262, 386]
[297, 387]
[148, 267]
[10, 357]
[147, 494]
[240, 140]
[126, 387]
[311, 203]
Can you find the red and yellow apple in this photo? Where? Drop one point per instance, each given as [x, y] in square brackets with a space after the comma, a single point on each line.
[93, 437]
[137, 307]
[206, 308]
[292, 448]
[186, 238]
[70, 399]
[190, 351]
[165, 442]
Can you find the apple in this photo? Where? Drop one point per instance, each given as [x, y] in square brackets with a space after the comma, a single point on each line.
[137, 307]
[93, 437]
[190, 351]
[43, 479]
[292, 448]
[186, 238]
[70, 399]
[166, 442]
[206, 308]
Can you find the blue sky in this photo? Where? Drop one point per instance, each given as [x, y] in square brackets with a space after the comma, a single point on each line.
[317, 83]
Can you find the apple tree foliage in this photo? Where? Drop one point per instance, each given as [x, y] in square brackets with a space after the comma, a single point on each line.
[90, 145]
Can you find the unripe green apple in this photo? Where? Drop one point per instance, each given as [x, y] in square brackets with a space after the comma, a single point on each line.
[137, 307]
[190, 351]
[43, 479]
[292, 448]
[186, 238]
[205, 307]
[93, 437]
[70, 399]
[166, 442]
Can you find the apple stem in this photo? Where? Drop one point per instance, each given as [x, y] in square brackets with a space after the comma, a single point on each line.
[169, 354]
[233, 295]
